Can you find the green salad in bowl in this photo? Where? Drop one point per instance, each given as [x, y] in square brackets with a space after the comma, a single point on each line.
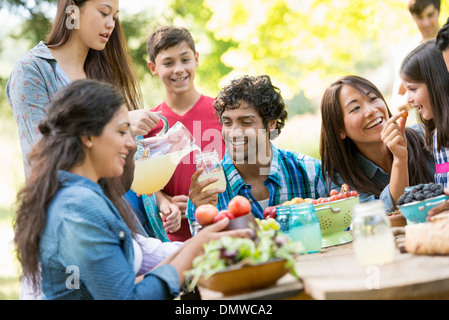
[230, 254]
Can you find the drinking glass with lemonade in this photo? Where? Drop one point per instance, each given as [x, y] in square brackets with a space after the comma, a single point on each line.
[212, 167]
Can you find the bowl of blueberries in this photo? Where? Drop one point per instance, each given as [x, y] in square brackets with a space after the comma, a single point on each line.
[416, 201]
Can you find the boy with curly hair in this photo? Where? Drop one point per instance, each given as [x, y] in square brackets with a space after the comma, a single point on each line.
[252, 113]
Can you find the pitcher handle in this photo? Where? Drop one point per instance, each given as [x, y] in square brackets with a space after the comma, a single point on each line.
[165, 126]
[138, 139]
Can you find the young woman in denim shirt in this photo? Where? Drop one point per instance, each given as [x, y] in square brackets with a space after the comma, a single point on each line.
[86, 41]
[363, 145]
[81, 239]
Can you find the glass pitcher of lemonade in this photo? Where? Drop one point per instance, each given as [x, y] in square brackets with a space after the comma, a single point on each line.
[157, 157]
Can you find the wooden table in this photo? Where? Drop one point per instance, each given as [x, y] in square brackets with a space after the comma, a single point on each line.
[334, 273]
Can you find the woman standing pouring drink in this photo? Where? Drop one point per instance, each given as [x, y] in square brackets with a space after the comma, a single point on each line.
[86, 41]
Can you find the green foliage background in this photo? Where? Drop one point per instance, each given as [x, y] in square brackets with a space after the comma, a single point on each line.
[302, 45]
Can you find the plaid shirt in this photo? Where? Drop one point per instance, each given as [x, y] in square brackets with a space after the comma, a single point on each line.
[441, 163]
[291, 175]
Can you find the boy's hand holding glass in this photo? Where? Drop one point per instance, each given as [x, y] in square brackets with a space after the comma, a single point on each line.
[198, 193]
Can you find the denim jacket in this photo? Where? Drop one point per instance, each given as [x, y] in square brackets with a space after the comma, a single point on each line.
[86, 249]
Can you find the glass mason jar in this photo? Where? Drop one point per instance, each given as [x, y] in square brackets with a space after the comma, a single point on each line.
[300, 223]
[373, 239]
[283, 218]
[211, 164]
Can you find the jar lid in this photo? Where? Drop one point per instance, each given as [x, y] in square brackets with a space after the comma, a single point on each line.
[306, 206]
[282, 209]
[369, 207]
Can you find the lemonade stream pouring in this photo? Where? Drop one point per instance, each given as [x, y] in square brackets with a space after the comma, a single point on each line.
[157, 157]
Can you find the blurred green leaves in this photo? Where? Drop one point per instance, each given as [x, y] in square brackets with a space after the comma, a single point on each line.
[303, 45]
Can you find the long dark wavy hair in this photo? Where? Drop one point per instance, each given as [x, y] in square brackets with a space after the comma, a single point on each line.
[337, 155]
[81, 109]
[425, 64]
[113, 64]
[259, 93]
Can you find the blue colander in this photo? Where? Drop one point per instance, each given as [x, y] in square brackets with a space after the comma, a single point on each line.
[416, 212]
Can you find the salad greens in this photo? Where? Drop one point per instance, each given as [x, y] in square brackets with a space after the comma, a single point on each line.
[229, 253]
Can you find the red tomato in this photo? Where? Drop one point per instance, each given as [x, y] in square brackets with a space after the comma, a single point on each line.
[205, 214]
[341, 196]
[354, 193]
[239, 206]
[344, 188]
[334, 197]
[223, 214]
[333, 192]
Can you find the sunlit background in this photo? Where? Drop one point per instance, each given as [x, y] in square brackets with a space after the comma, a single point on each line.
[303, 45]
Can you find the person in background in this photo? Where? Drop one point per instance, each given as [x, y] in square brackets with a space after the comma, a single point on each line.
[81, 239]
[252, 112]
[174, 59]
[364, 146]
[425, 14]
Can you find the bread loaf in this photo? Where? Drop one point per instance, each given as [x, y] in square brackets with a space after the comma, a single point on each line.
[428, 238]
